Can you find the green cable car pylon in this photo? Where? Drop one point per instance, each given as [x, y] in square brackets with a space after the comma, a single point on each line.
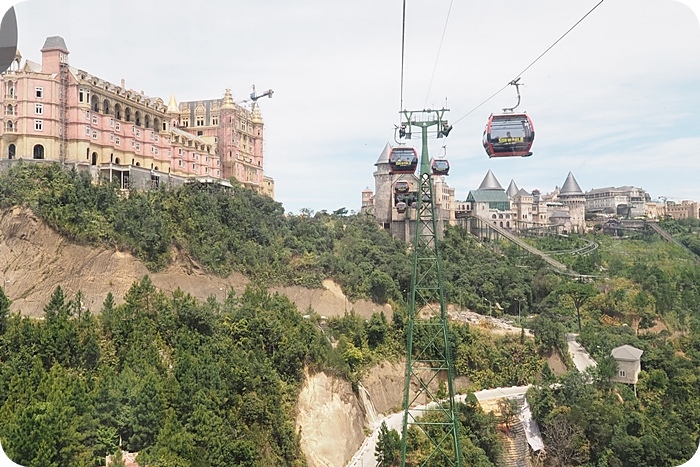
[428, 344]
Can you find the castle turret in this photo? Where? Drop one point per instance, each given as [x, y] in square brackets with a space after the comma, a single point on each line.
[572, 196]
[382, 188]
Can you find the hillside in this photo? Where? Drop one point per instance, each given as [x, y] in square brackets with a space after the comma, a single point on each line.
[201, 375]
[36, 259]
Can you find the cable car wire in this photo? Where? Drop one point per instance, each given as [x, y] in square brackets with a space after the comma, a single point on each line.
[444, 29]
[531, 64]
[403, 47]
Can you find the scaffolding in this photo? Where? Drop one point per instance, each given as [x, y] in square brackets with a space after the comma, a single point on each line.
[63, 112]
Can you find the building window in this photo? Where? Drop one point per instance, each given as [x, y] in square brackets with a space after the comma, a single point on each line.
[117, 126]
[117, 141]
[39, 92]
[215, 120]
[39, 109]
[179, 151]
[94, 135]
[81, 95]
[194, 166]
[133, 143]
[38, 125]
[87, 130]
[200, 121]
[94, 119]
[111, 136]
[87, 115]
[622, 373]
[111, 122]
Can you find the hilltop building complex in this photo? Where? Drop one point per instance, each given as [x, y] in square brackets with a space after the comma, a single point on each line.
[564, 209]
[52, 111]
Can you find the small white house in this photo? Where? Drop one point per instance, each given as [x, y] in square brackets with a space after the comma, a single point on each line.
[628, 364]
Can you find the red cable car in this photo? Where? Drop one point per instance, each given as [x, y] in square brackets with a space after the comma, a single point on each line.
[509, 134]
[401, 187]
[440, 166]
[403, 160]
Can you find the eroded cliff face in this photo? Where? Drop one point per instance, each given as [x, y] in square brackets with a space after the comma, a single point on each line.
[330, 420]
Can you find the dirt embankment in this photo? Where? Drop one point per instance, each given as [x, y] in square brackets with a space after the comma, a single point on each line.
[330, 420]
[34, 260]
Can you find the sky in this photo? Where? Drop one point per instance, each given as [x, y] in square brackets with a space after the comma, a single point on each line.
[616, 101]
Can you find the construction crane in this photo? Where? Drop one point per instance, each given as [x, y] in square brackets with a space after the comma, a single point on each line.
[254, 97]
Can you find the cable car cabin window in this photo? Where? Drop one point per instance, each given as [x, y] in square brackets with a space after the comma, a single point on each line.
[401, 207]
[509, 135]
[403, 160]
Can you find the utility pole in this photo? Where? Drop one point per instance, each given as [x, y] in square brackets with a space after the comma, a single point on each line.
[430, 353]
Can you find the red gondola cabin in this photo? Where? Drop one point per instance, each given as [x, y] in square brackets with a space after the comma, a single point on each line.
[440, 166]
[509, 135]
[401, 187]
[403, 160]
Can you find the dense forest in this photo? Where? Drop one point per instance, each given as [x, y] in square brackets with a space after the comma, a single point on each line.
[215, 383]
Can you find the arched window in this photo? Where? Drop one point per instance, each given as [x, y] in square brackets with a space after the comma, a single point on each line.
[118, 111]
[95, 103]
[105, 107]
[11, 149]
[127, 114]
[38, 151]
[94, 158]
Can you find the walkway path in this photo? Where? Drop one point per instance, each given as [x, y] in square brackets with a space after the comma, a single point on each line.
[525, 246]
[581, 358]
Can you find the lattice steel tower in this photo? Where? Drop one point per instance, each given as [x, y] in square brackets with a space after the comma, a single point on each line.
[428, 344]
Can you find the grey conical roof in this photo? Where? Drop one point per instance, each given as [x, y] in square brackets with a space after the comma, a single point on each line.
[384, 156]
[512, 189]
[490, 182]
[570, 187]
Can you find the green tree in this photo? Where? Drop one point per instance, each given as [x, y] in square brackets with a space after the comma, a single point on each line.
[388, 447]
[4, 311]
[579, 293]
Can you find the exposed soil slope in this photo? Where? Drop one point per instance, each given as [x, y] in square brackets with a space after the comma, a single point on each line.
[34, 260]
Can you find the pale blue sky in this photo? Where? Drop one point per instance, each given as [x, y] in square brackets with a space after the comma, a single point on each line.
[617, 101]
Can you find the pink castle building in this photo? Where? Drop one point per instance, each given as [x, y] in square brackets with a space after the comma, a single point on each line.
[55, 112]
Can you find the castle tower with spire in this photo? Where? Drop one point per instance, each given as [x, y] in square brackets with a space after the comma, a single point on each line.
[491, 202]
[382, 189]
[572, 196]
